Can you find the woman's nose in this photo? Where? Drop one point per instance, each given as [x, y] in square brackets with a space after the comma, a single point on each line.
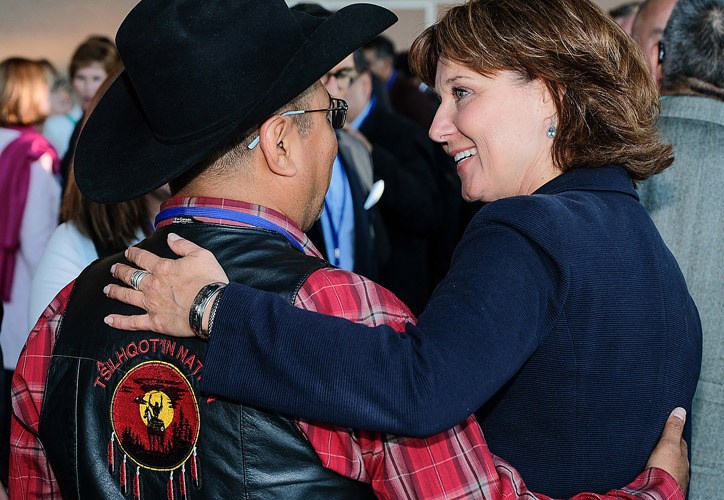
[442, 125]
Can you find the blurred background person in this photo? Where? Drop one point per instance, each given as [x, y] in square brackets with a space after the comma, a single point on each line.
[29, 201]
[686, 204]
[647, 29]
[404, 158]
[348, 234]
[625, 14]
[407, 99]
[89, 231]
[404, 96]
[61, 92]
[65, 112]
[92, 62]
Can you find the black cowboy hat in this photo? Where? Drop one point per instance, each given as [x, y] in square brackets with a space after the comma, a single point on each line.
[197, 74]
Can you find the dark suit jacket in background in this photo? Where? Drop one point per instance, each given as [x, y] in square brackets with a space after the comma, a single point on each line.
[371, 249]
[410, 207]
[407, 100]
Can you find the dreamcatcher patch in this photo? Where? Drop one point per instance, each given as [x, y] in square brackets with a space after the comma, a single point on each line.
[155, 418]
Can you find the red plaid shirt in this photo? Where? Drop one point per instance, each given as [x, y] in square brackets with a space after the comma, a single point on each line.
[452, 464]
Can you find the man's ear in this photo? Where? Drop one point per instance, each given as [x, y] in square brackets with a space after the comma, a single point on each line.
[390, 62]
[366, 82]
[276, 138]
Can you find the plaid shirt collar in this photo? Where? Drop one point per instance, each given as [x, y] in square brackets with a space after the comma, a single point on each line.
[269, 214]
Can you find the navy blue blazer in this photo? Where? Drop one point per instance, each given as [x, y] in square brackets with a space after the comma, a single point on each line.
[410, 207]
[564, 320]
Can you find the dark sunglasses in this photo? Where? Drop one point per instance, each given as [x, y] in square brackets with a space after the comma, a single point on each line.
[337, 114]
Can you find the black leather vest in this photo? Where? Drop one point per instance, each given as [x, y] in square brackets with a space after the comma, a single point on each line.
[123, 415]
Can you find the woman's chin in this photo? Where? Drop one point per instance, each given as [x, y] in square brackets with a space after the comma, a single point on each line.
[471, 197]
[472, 193]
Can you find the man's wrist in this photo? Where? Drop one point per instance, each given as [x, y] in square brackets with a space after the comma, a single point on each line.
[200, 313]
[212, 314]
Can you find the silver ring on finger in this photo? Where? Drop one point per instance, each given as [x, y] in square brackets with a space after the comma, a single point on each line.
[136, 278]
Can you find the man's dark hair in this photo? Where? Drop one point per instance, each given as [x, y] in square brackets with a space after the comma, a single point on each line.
[694, 46]
[378, 87]
[402, 63]
[382, 46]
[360, 63]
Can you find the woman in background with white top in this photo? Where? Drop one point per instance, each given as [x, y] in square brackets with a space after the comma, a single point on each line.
[29, 200]
[89, 231]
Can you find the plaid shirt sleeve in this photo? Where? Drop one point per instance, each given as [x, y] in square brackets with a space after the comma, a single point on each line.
[453, 464]
[30, 475]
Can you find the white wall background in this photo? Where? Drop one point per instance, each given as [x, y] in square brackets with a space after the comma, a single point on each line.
[53, 28]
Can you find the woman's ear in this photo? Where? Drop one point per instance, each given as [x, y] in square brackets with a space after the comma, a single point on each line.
[550, 94]
[277, 136]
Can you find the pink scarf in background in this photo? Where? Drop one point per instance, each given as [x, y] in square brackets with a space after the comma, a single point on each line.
[15, 162]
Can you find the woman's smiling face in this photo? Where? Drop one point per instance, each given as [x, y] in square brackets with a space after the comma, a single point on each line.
[496, 130]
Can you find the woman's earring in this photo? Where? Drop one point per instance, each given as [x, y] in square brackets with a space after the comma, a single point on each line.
[551, 132]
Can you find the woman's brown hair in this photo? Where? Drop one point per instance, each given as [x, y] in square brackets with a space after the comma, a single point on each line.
[112, 227]
[606, 101]
[96, 49]
[24, 92]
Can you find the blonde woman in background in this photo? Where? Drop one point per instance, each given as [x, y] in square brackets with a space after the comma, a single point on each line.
[29, 200]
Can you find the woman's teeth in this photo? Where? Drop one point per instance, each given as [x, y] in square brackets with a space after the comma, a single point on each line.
[465, 154]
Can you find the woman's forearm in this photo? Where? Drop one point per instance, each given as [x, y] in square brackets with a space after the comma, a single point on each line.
[466, 345]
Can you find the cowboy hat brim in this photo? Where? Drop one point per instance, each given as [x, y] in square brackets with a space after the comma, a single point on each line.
[119, 157]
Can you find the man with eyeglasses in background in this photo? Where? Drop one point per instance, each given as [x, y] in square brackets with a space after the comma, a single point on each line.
[349, 233]
[403, 157]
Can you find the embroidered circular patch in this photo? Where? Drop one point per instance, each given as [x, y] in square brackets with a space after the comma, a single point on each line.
[155, 416]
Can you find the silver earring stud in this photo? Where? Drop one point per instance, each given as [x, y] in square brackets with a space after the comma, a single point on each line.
[551, 132]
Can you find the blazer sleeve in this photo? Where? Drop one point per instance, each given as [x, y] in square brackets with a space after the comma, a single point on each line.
[466, 345]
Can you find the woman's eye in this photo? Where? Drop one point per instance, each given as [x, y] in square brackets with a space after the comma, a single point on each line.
[459, 93]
